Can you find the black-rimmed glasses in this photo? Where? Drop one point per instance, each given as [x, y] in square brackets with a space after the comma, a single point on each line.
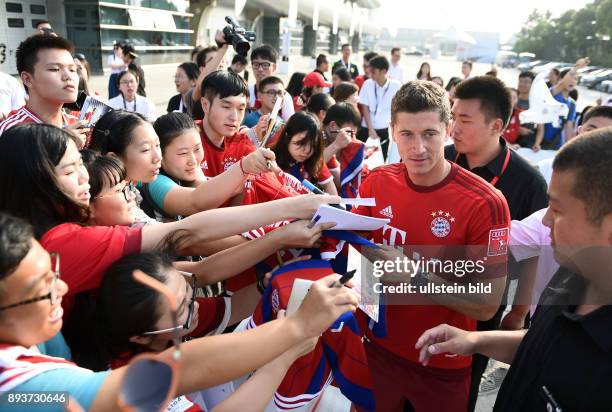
[274, 93]
[129, 190]
[187, 324]
[52, 295]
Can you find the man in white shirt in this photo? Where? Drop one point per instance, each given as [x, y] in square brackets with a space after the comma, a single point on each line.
[263, 63]
[375, 101]
[12, 95]
[116, 65]
[529, 239]
[395, 70]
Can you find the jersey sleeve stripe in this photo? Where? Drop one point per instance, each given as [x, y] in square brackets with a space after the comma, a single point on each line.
[495, 205]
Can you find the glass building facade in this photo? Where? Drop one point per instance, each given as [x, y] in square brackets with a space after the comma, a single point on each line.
[158, 29]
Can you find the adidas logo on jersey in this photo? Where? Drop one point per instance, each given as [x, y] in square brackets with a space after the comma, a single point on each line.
[387, 211]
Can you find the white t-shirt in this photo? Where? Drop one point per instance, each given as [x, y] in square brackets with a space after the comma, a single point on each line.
[287, 108]
[12, 94]
[112, 59]
[140, 104]
[378, 99]
[529, 238]
[396, 72]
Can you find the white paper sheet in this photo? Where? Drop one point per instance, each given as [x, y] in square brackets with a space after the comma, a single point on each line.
[363, 283]
[365, 201]
[346, 220]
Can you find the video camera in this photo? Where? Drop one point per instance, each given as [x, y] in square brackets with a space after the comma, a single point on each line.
[237, 36]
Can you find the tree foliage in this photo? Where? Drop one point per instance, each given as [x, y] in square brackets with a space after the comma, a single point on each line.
[574, 34]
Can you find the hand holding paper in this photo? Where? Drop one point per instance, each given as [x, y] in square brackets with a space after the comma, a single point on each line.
[346, 220]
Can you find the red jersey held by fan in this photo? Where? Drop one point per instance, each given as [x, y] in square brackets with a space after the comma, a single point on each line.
[26, 116]
[462, 210]
[219, 159]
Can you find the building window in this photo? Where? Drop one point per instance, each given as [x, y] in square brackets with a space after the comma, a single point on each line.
[14, 8]
[17, 23]
[37, 9]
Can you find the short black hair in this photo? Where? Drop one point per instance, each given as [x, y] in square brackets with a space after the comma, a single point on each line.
[380, 63]
[240, 59]
[342, 113]
[265, 52]
[128, 71]
[494, 97]
[588, 156]
[393, 50]
[195, 51]
[223, 83]
[318, 102]
[191, 70]
[345, 45]
[558, 73]
[104, 170]
[344, 90]
[597, 111]
[527, 73]
[342, 73]
[171, 125]
[467, 62]
[453, 81]
[202, 55]
[321, 58]
[128, 49]
[27, 52]
[573, 94]
[369, 56]
[15, 243]
[269, 80]
[421, 96]
[39, 22]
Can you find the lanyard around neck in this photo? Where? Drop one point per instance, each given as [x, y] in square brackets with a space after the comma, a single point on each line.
[503, 169]
[382, 99]
[125, 105]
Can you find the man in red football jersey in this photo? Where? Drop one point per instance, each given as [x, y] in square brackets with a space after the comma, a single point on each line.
[224, 100]
[437, 210]
[48, 73]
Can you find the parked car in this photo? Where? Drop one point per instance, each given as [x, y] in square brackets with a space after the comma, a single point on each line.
[605, 86]
[530, 65]
[591, 81]
[587, 70]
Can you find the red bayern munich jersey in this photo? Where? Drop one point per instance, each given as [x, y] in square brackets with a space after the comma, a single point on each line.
[219, 159]
[27, 116]
[463, 209]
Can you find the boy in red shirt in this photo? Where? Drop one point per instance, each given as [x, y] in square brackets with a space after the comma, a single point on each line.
[224, 101]
[436, 210]
[49, 75]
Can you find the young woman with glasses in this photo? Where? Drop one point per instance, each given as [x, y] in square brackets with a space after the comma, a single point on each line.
[299, 151]
[128, 99]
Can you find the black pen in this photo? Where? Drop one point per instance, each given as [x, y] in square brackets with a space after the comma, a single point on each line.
[314, 221]
[344, 278]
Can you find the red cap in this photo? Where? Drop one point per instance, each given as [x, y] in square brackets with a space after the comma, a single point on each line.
[314, 79]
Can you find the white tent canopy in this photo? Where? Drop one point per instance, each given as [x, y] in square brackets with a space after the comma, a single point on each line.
[453, 34]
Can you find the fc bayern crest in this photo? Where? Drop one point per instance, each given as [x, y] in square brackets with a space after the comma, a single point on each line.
[441, 223]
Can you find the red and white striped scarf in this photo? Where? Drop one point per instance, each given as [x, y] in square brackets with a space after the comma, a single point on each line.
[19, 364]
